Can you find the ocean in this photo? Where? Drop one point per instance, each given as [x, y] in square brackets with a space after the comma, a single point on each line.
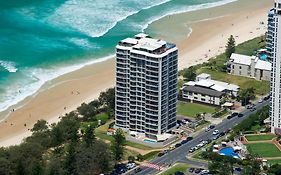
[43, 39]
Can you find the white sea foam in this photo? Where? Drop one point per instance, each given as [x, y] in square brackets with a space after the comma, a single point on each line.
[37, 77]
[95, 18]
[17, 92]
[9, 66]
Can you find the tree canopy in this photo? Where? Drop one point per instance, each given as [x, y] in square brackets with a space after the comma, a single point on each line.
[230, 46]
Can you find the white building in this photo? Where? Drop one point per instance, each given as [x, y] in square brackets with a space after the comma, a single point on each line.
[146, 85]
[249, 66]
[206, 90]
[275, 111]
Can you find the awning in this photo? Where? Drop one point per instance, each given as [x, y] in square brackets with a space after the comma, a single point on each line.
[163, 137]
[227, 104]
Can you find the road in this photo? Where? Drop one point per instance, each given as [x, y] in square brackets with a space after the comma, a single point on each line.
[179, 154]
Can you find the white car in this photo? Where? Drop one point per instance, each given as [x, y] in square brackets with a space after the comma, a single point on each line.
[216, 132]
[131, 165]
[260, 100]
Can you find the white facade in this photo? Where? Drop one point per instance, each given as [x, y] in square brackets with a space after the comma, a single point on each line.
[275, 114]
[146, 85]
[249, 66]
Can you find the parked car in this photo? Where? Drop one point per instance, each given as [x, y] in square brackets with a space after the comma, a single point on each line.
[260, 100]
[222, 134]
[266, 97]
[161, 154]
[240, 115]
[179, 173]
[216, 132]
[249, 106]
[184, 142]
[184, 121]
[253, 109]
[234, 114]
[137, 170]
[191, 150]
[189, 138]
[131, 165]
[178, 145]
[229, 117]
[191, 170]
[198, 170]
[215, 137]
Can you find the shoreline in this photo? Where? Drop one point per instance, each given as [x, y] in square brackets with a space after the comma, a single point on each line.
[90, 80]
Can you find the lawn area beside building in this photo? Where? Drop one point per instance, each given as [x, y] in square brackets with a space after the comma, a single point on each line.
[101, 132]
[274, 161]
[192, 109]
[263, 149]
[260, 137]
[261, 87]
[181, 167]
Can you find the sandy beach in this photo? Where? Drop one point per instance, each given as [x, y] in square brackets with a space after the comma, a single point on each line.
[207, 39]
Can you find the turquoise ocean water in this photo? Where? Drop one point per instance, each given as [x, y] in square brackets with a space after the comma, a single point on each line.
[42, 39]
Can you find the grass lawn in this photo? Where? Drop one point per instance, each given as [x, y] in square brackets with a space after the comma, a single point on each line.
[177, 167]
[150, 155]
[260, 137]
[191, 109]
[277, 161]
[263, 149]
[103, 117]
[261, 87]
[101, 132]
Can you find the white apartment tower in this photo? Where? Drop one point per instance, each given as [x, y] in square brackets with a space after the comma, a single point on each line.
[275, 111]
[146, 85]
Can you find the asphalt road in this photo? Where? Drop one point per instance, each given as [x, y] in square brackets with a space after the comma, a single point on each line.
[179, 154]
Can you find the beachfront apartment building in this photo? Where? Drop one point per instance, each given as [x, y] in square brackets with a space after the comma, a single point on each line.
[275, 86]
[146, 85]
[249, 66]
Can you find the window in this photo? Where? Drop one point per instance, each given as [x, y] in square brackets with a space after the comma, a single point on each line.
[240, 67]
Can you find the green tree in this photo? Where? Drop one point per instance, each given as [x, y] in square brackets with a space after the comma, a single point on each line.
[70, 160]
[5, 166]
[39, 126]
[107, 98]
[131, 159]
[96, 159]
[246, 95]
[37, 168]
[89, 135]
[275, 169]
[189, 74]
[118, 145]
[230, 46]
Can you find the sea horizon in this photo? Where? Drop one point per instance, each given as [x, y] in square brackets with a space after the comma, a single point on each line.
[47, 48]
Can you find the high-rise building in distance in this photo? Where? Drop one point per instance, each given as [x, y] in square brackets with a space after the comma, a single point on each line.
[275, 107]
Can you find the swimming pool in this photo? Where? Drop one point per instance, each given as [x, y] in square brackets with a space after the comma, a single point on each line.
[229, 151]
[150, 141]
[263, 57]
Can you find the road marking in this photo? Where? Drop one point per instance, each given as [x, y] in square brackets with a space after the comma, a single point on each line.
[154, 166]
